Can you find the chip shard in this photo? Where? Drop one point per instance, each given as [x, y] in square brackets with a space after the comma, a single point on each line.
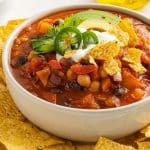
[106, 144]
[105, 50]
[133, 57]
[111, 67]
[127, 26]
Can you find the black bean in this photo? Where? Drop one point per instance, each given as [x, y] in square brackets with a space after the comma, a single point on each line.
[73, 85]
[22, 60]
[66, 63]
[19, 61]
[119, 90]
[56, 90]
[55, 79]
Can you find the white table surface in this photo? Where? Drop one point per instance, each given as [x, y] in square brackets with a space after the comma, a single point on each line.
[12, 9]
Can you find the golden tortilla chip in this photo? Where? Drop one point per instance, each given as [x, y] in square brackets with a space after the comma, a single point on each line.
[111, 67]
[122, 36]
[105, 50]
[65, 146]
[7, 106]
[146, 131]
[16, 21]
[106, 144]
[2, 147]
[127, 26]
[133, 56]
[17, 135]
[2, 77]
[131, 139]
[84, 147]
[138, 68]
[143, 145]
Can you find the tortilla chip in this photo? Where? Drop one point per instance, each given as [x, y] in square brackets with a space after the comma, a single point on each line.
[111, 67]
[106, 144]
[17, 135]
[84, 147]
[65, 146]
[122, 36]
[138, 68]
[127, 26]
[2, 146]
[133, 56]
[7, 106]
[131, 139]
[16, 21]
[105, 50]
[146, 131]
[143, 145]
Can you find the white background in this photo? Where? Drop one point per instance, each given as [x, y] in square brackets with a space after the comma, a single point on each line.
[11, 9]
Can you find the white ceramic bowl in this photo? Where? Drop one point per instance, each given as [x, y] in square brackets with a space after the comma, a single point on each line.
[72, 123]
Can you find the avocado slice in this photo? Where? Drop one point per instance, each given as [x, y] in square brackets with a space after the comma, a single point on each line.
[97, 14]
[96, 24]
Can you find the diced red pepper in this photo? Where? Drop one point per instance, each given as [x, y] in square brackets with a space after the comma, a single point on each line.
[36, 63]
[129, 81]
[106, 84]
[94, 75]
[145, 58]
[132, 96]
[43, 75]
[88, 102]
[83, 69]
[54, 64]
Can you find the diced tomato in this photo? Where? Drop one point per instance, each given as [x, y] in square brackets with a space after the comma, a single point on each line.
[145, 58]
[43, 75]
[54, 64]
[129, 81]
[106, 84]
[132, 96]
[36, 63]
[51, 97]
[112, 101]
[88, 102]
[94, 75]
[83, 69]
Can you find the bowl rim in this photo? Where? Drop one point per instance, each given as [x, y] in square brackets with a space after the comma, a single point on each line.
[7, 50]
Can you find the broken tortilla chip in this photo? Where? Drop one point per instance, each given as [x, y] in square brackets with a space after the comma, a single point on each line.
[143, 145]
[111, 67]
[133, 56]
[106, 144]
[17, 135]
[65, 146]
[7, 106]
[146, 131]
[84, 147]
[122, 36]
[105, 50]
[127, 26]
[2, 146]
